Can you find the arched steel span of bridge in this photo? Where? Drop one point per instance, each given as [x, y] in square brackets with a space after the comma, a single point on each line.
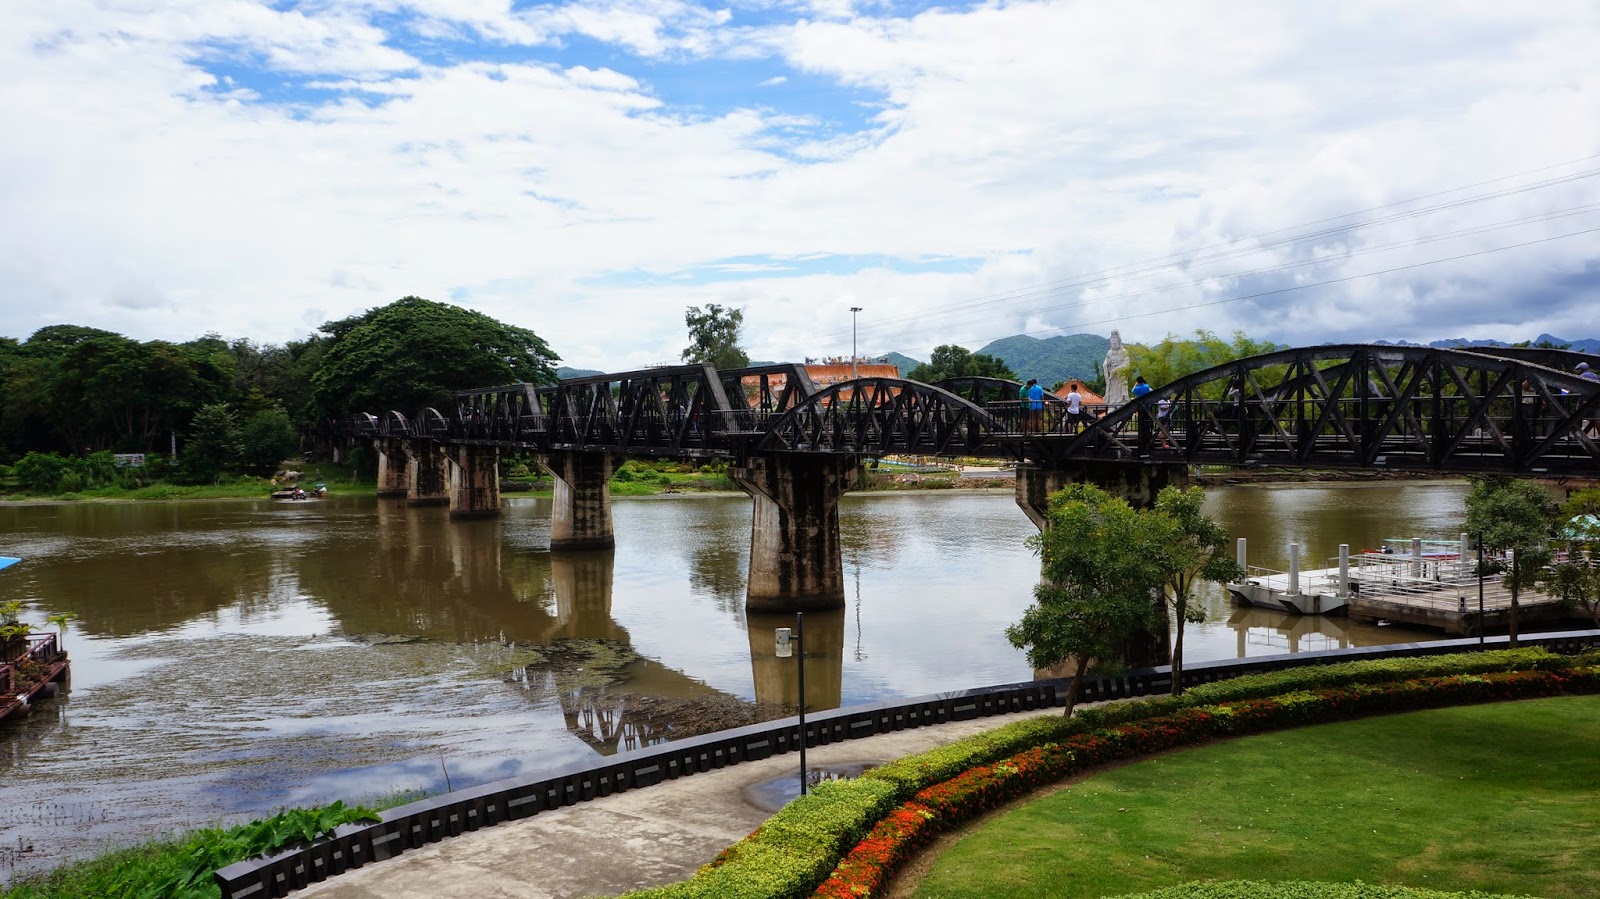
[1336, 406]
[1350, 406]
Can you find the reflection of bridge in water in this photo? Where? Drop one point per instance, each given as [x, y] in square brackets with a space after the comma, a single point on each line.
[796, 448]
[465, 585]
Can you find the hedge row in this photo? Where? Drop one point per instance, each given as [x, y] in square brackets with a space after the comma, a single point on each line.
[1255, 889]
[1324, 677]
[865, 870]
[797, 847]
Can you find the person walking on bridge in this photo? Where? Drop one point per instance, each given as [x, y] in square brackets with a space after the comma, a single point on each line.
[1074, 406]
[1035, 405]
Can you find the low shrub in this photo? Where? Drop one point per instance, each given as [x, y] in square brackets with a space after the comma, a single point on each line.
[1371, 671]
[786, 857]
[915, 772]
[182, 868]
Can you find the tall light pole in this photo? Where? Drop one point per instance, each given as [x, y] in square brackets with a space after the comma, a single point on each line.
[853, 311]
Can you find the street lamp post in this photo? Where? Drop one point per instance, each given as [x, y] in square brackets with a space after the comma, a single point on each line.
[786, 642]
[853, 311]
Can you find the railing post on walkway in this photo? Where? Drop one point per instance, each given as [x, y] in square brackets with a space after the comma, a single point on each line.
[1344, 571]
[1294, 570]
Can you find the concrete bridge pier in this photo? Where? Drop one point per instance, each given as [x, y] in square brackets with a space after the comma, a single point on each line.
[795, 561]
[394, 468]
[427, 474]
[474, 482]
[580, 514]
[1136, 482]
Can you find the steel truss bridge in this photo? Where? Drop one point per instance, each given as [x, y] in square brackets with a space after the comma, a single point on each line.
[1517, 411]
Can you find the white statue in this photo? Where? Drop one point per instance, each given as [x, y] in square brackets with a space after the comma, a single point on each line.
[1116, 370]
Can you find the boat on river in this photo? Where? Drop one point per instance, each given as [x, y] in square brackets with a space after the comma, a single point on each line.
[300, 494]
[32, 666]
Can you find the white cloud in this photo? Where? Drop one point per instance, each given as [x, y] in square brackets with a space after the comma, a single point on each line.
[1047, 141]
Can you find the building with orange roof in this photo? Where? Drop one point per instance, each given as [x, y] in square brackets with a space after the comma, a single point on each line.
[1090, 398]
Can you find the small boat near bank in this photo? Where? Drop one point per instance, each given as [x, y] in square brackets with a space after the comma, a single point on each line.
[33, 667]
[300, 494]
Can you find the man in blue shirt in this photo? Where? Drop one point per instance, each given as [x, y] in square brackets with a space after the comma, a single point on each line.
[1140, 388]
[1035, 404]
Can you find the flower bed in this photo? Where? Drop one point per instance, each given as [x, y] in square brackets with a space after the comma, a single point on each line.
[790, 855]
[864, 871]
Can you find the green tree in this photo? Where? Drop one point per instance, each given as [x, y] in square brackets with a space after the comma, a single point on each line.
[1196, 550]
[267, 438]
[714, 336]
[1174, 357]
[1511, 514]
[214, 443]
[1576, 578]
[1102, 569]
[951, 361]
[415, 353]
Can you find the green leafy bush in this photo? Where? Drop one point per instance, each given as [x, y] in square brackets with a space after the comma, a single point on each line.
[182, 869]
[40, 472]
[789, 855]
[1373, 671]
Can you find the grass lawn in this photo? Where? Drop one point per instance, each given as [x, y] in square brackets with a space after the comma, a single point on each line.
[1503, 798]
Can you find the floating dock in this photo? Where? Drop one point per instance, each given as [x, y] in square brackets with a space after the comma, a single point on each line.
[1421, 583]
[36, 672]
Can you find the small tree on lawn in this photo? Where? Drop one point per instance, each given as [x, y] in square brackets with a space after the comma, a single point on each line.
[1512, 514]
[1102, 566]
[1576, 579]
[1199, 552]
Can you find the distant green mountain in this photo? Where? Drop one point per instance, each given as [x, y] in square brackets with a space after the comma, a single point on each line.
[900, 360]
[1053, 359]
[565, 372]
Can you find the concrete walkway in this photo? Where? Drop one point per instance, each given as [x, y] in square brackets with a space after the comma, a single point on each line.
[646, 837]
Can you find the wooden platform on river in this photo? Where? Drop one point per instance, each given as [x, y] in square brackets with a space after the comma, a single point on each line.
[1454, 608]
[34, 673]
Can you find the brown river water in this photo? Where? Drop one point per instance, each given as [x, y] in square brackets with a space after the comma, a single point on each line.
[232, 658]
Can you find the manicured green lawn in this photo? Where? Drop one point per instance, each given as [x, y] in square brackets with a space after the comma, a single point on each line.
[1502, 798]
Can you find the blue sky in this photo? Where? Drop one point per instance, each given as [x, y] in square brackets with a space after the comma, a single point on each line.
[962, 172]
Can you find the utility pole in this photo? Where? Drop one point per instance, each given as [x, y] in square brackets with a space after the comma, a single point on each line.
[853, 311]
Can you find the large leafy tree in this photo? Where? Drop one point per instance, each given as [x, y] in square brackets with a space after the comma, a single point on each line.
[714, 336]
[414, 353]
[1175, 357]
[214, 445]
[951, 361]
[1197, 550]
[267, 438]
[1102, 568]
[1512, 514]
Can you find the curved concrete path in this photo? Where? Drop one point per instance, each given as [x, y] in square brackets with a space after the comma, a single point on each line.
[645, 837]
